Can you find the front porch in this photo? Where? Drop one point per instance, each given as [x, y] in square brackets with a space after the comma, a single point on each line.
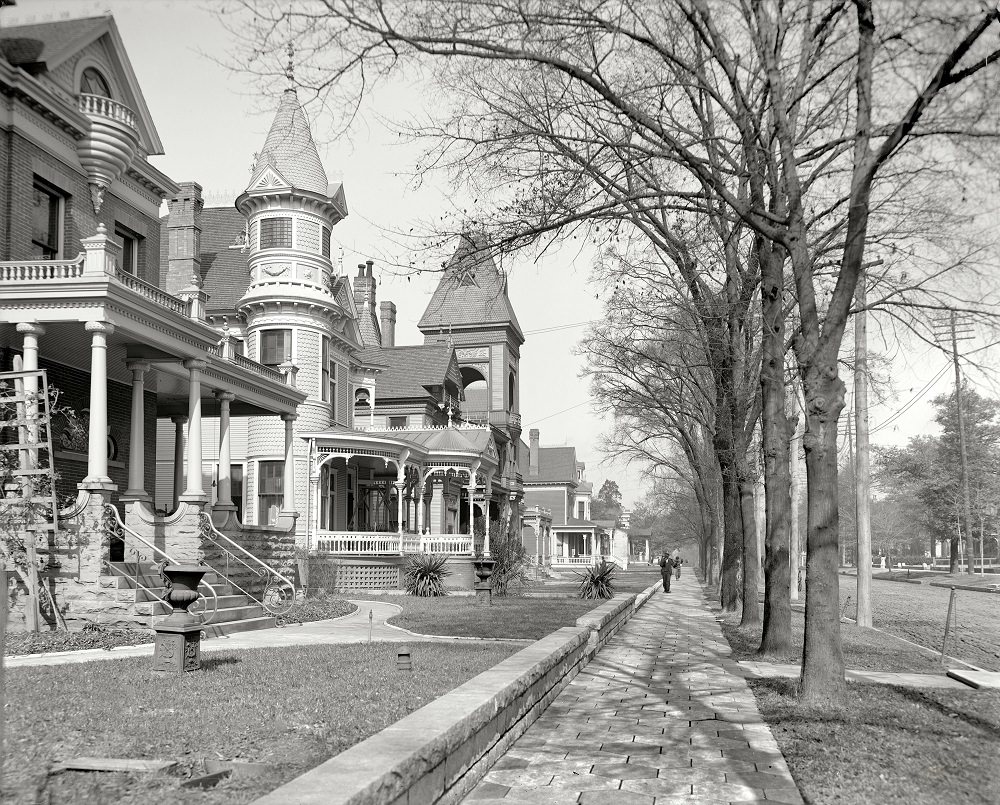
[123, 355]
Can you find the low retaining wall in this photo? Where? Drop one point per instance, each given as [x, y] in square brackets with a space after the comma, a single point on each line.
[437, 754]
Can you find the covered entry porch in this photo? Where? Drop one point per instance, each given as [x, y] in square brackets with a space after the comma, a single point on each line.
[402, 491]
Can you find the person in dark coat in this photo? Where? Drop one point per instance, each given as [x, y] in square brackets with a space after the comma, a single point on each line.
[666, 571]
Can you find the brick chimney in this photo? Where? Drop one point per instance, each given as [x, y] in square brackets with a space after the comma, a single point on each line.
[363, 283]
[533, 451]
[387, 317]
[183, 238]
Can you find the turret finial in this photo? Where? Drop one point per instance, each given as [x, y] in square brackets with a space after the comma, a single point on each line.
[290, 67]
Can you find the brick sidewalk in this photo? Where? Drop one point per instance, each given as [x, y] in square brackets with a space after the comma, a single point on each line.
[655, 718]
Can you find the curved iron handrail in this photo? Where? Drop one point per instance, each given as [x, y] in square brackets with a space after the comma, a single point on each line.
[114, 527]
[278, 595]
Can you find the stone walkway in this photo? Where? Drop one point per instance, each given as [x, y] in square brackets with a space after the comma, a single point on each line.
[353, 628]
[656, 718]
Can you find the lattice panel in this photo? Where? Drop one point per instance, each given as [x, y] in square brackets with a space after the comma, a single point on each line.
[307, 236]
[368, 577]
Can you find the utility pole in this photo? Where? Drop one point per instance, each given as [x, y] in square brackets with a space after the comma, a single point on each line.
[854, 473]
[955, 330]
[862, 470]
[966, 496]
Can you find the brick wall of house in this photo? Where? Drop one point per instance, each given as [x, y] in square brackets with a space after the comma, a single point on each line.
[26, 161]
[554, 499]
[71, 459]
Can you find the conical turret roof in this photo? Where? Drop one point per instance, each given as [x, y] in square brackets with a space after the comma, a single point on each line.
[290, 150]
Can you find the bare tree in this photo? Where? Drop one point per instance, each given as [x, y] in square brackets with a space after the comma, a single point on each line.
[781, 117]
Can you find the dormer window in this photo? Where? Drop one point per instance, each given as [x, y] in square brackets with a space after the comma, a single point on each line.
[93, 83]
[361, 398]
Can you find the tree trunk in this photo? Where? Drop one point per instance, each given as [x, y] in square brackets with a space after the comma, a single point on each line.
[732, 518]
[823, 679]
[775, 430]
[751, 559]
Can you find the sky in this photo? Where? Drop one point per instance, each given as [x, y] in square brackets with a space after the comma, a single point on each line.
[212, 120]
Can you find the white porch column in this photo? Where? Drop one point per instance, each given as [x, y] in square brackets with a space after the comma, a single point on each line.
[97, 442]
[29, 363]
[420, 506]
[486, 504]
[193, 490]
[288, 501]
[224, 489]
[179, 421]
[471, 491]
[137, 433]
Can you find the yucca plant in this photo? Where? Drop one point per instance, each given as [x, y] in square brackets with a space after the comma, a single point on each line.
[425, 574]
[598, 581]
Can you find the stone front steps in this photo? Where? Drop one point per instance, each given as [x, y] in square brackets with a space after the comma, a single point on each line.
[236, 612]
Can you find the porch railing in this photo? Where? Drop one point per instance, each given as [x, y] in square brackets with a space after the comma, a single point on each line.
[379, 543]
[574, 560]
[150, 292]
[42, 270]
[113, 527]
[277, 594]
[258, 368]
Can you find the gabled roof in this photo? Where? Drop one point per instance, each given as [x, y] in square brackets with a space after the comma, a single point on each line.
[556, 465]
[411, 369]
[224, 270]
[290, 151]
[44, 46]
[470, 293]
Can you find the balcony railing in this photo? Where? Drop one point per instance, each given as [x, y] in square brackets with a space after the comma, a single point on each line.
[42, 270]
[99, 106]
[575, 560]
[258, 368]
[378, 543]
[151, 292]
[498, 418]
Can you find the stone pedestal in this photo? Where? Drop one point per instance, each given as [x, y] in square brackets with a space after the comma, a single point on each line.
[484, 589]
[177, 648]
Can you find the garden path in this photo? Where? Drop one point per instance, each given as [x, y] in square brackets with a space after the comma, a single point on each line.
[353, 628]
[658, 716]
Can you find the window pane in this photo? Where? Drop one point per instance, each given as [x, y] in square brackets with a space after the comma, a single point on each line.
[276, 233]
[45, 221]
[93, 83]
[270, 491]
[275, 347]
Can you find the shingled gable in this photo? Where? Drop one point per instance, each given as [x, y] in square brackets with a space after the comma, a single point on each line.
[470, 293]
[411, 371]
[61, 40]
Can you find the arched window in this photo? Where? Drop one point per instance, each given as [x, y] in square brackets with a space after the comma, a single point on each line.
[93, 83]
[510, 391]
[476, 389]
[362, 399]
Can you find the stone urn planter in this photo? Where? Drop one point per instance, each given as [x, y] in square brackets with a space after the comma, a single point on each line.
[177, 647]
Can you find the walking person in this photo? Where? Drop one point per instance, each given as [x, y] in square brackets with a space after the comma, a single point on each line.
[677, 567]
[666, 571]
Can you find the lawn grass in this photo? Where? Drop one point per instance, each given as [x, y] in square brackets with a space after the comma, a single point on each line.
[289, 708]
[506, 618]
[864, 649]
[885, 744]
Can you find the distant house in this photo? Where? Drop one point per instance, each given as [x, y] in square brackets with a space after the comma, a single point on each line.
[554, 481]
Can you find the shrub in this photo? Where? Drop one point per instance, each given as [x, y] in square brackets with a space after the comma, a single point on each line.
[510, 573]
[598, 581]
[425, 574]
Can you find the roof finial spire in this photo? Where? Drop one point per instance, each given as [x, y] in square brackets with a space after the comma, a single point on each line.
[290, 67]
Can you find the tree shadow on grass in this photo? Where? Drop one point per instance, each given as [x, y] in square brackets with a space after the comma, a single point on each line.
[208, 663]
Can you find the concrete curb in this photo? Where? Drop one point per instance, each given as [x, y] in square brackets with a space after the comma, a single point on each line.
[438, 753]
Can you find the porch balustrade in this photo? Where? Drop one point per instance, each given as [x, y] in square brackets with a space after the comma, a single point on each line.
[378, 543]
[574, 560]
